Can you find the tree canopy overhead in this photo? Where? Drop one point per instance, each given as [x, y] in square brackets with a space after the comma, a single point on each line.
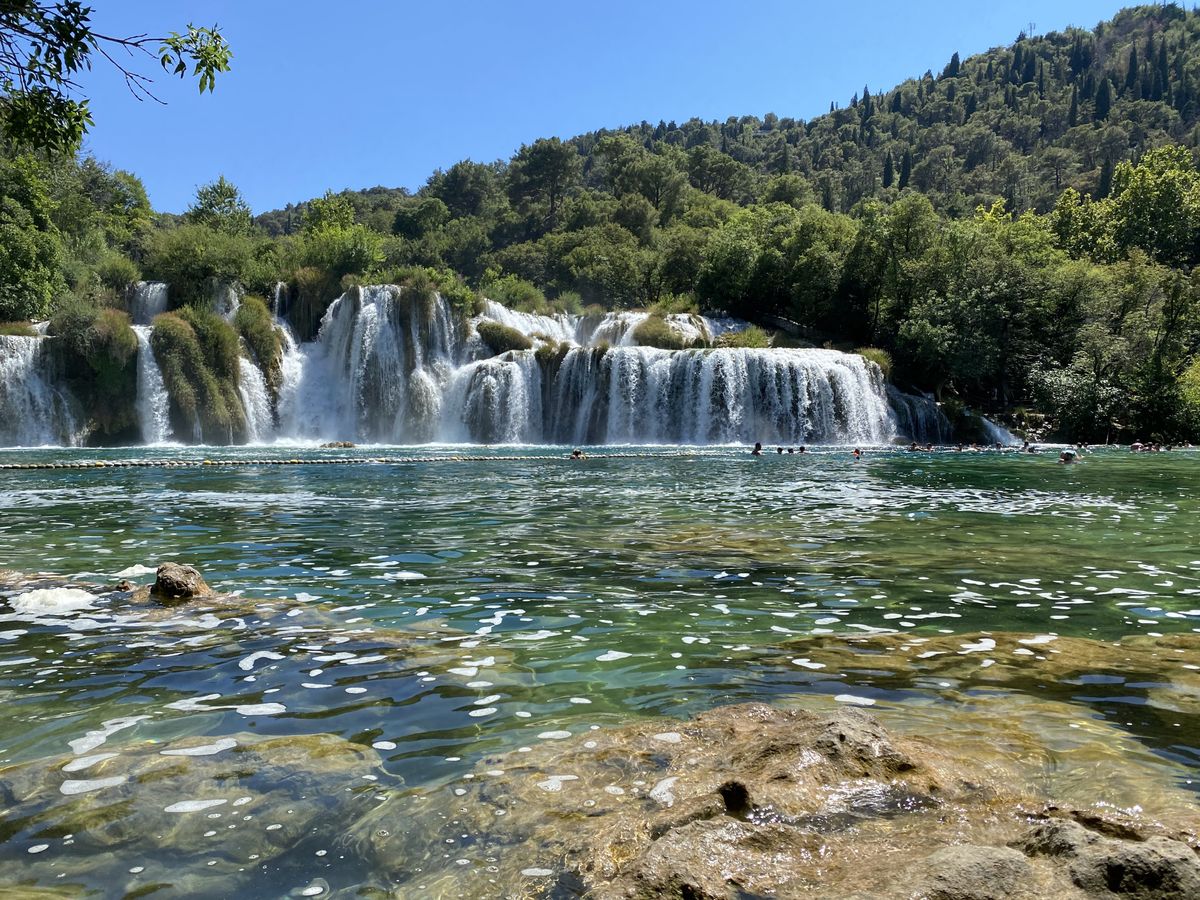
[45, 46]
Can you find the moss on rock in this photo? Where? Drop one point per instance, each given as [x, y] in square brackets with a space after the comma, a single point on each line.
[256, 326]
[198, 354]
[501, 338]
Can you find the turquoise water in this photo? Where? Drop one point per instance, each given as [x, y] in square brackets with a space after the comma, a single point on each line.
[446, 610]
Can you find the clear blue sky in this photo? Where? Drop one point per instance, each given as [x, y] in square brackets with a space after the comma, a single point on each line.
[355, 94]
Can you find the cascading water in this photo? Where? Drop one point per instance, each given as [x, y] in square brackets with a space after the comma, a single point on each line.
[146, 300]
[256, 401]
[33, 412]
[153, 405]
[919, 418]
[390, 365]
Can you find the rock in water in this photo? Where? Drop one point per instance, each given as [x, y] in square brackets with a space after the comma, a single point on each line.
[754, 801]
[176, 582]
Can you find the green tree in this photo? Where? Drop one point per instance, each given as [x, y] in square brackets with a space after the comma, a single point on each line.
[44, 46]
[540, 176]
[30, 246]
[220, 205]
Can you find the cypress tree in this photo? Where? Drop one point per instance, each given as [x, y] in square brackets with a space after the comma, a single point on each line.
[1030, 71]
[1131, 71]
[952, 69]
[897, 101]
[1076, 60]
[1104, 188]
[971, 105]
[1103, 100]
[990, 75]
[1073, 115]
[905, 168]
[889, 172]
[1089, 87]
[1041, 78]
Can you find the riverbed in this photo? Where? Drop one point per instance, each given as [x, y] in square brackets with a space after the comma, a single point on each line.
[440, 612]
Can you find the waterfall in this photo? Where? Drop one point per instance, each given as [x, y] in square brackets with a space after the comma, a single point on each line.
[153, 404]
[147, 299]
[33, 412]
[256, 401]
[998, 434]
[390, 365]
[226, 298]
[919, 418]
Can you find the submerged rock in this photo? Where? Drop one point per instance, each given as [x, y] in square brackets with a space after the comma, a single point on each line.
[177, 582]
[208, 806]
[754, 801]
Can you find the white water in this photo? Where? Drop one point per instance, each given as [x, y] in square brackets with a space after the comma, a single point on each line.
[998, 434]
[389, 367]
[149, 298]
[256, 401]
[33, 411]
[153, 405]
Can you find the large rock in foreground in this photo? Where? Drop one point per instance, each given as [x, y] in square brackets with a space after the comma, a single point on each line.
[754, 801]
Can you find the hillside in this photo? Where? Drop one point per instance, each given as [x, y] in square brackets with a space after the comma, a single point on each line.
[1020, 122]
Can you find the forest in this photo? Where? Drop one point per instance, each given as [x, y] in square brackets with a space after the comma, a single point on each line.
[1017, 231]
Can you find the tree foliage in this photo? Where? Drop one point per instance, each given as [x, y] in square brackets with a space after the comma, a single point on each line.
[44, 46]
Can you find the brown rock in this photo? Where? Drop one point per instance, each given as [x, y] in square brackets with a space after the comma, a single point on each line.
[177, 582]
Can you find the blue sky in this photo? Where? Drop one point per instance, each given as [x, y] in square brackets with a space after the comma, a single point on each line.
[363, 93]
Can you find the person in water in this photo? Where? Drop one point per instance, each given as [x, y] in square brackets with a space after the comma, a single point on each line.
[857, 453]
[577, 454]
[779, 450]
[802, 449]
[757, 451]
[1067, 457]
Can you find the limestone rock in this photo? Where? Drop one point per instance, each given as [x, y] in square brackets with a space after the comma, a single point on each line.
[178, 582]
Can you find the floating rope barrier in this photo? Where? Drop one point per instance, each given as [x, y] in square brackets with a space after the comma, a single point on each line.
[318, 461]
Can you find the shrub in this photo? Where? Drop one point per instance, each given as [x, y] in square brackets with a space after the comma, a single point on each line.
[653, 331]
[500, 338]
[256, 326]
[197, 352]
[192, 258]
[117, 272]
[881, 358]
[516, 293]
[751, 338]
[669, 304]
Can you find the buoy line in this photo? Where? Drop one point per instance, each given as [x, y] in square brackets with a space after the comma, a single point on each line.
[331, 461]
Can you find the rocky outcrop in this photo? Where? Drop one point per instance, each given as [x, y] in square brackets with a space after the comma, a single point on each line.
[754, 801]
[175, 582]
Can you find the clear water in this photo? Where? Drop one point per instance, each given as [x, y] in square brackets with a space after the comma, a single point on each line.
[486, 602]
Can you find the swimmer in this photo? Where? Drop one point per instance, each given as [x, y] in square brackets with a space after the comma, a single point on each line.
[791, 450]
[779, 450]
[1067, 457]
[802, 449]
[857, 453]
[577, 454]
[757, 451]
